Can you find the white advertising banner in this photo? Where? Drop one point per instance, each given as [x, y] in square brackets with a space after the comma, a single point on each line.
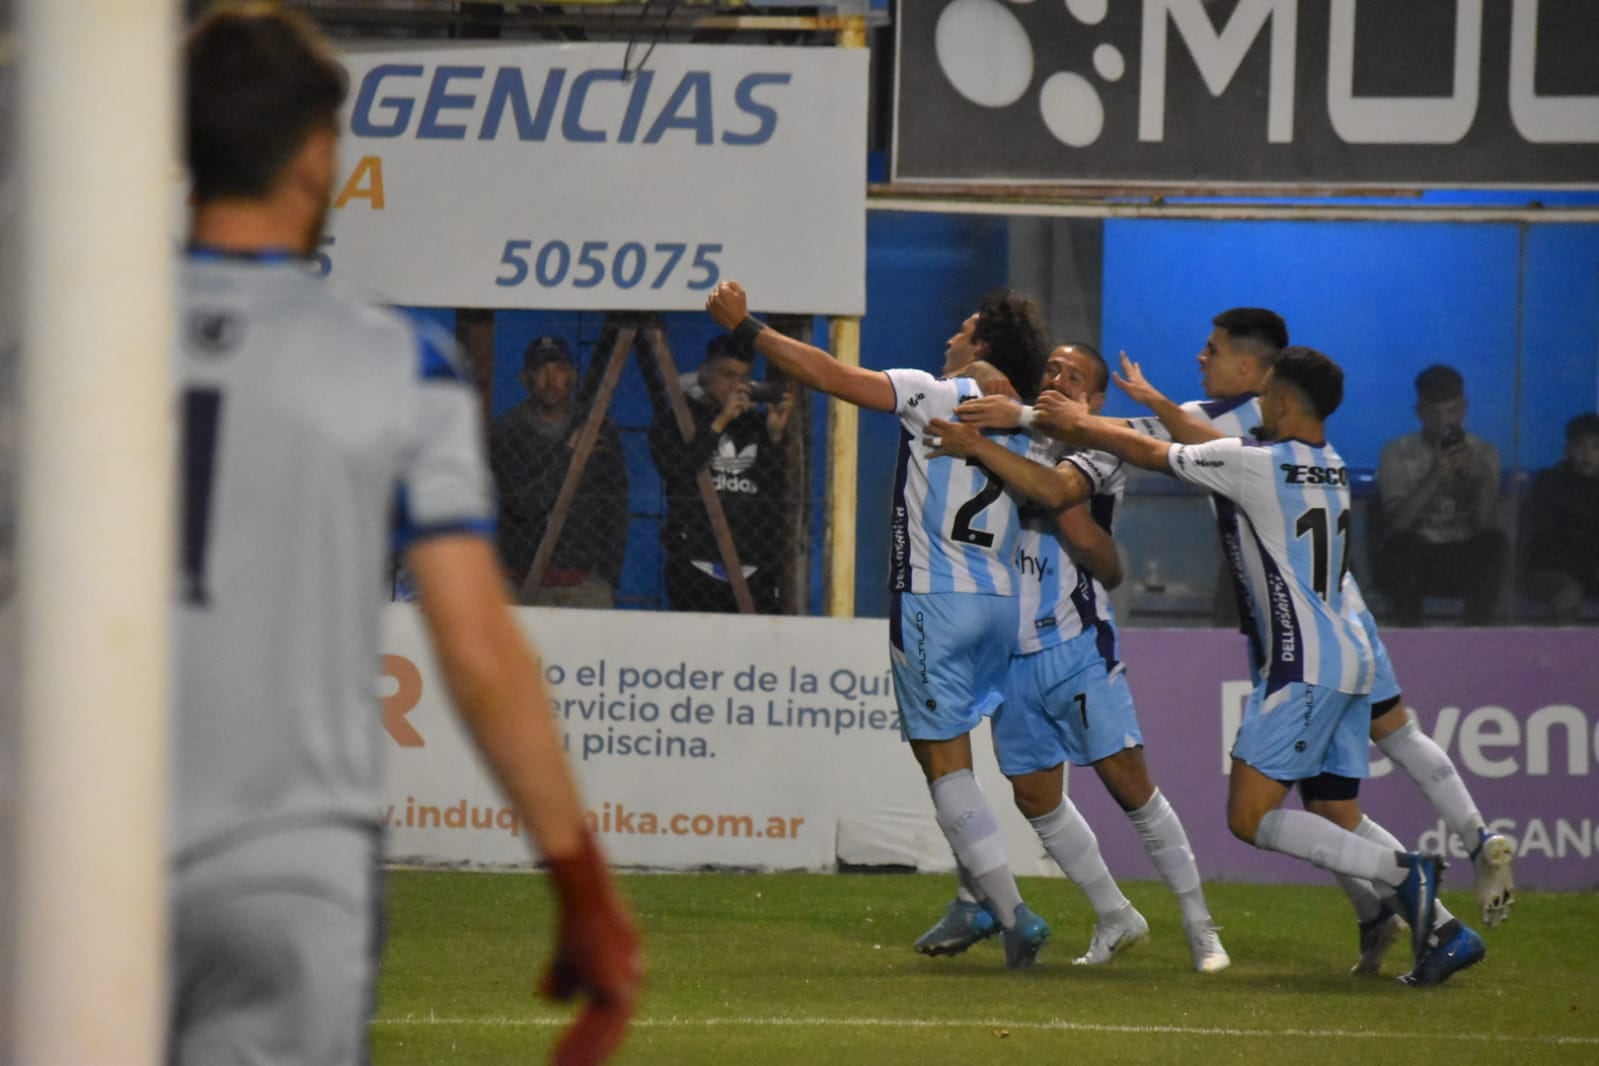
[550, 176]
[759, 742]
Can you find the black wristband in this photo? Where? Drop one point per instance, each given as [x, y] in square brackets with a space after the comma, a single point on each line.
[746, 331]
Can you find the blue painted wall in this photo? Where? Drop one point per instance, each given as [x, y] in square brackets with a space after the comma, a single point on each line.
[1385, 300]
[1560, 366]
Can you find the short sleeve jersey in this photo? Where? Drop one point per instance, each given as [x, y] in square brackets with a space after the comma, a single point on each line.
[1235, 416]
[954, 525]
[1290, 501]
[1239, 416]
[1059, 600]
[318, 434]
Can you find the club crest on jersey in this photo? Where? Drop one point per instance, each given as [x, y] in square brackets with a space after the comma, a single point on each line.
[215, 332]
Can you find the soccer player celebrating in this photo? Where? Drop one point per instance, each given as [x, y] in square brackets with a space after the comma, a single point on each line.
[313, 426]
[1066, 692]
[952, 621]
[1233, 365]
[1307, 719]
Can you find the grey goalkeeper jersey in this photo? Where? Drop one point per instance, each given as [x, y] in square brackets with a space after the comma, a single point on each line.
[318, 434]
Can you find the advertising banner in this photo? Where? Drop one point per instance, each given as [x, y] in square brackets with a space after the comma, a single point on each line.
[1516, 709]
[1281, 92]
[698, 740]
[773, 743]
[592, 176]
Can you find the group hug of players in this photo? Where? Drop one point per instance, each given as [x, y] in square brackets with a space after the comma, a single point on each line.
[1007, 484]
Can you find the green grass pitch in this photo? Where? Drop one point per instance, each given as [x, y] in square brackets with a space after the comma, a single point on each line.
[814, 969]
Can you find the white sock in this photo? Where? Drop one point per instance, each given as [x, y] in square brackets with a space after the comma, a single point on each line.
[1072, 844]
[1362, 896]
[973, 835]
[1321, 843]
[1370, 830]
[1430, 767]
[1167, 844]
[967, 892]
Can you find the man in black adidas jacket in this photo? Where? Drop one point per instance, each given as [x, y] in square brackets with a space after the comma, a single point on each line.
[741, 444]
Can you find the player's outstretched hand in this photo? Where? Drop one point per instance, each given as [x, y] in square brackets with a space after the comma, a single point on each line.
[990, 412]
[728, 304]
[1132, 381]
[597, 957]
[1060, 415]
[958, 439]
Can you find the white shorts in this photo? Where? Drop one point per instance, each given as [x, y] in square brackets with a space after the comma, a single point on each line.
[274, 950]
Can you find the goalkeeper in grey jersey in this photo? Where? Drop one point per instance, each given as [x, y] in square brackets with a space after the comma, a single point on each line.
[314, 428]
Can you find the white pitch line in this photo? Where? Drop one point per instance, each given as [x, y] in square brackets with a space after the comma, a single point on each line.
[995, 1023]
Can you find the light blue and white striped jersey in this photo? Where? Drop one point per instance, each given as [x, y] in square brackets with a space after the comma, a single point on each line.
[1235, 416]
[954, 525]
[1239, 416]
[319, 433]
[1058, 599]
[1291, 504]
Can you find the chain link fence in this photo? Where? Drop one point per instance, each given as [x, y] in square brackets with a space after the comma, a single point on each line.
[648, 462]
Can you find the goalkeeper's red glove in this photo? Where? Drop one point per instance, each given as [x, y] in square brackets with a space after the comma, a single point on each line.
[596, 955]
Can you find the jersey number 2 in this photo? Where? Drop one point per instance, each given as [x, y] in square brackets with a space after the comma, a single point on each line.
[962, 532]
[1314, 522]
[202, 417]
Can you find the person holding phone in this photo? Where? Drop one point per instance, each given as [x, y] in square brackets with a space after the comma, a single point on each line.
[1440, 502]
[739, 437]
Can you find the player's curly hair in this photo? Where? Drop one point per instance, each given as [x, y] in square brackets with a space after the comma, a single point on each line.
[1011, 325]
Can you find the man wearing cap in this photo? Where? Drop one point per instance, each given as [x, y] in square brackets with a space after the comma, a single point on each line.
[531, 447]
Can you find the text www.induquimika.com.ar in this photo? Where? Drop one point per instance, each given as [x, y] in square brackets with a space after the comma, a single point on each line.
[616, 819]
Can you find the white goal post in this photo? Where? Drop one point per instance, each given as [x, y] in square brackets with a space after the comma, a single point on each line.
[85, 981]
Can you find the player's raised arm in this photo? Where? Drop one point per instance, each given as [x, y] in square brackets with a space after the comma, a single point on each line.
[1183, 427]
[499, 690]
[1057, 489]
[805, 363]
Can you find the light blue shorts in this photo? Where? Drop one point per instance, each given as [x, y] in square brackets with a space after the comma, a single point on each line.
[1300, 731]
[1385, 686]
[949, 652]
[1069, 703]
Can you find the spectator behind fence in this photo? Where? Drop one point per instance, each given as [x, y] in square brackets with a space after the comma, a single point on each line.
[531, 447]
[1560, 523]
[741, 443]
[1440, 495]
